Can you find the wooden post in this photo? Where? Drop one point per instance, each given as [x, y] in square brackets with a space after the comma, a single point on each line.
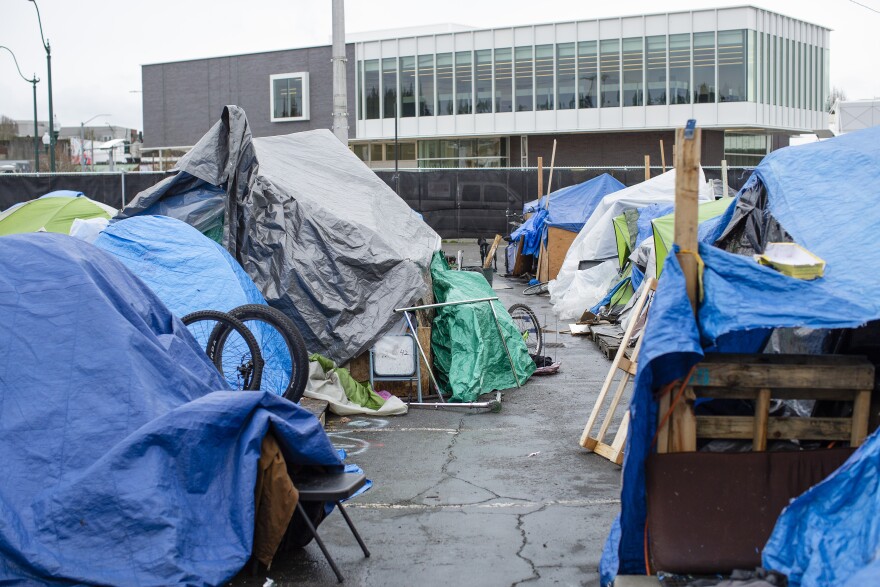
[687, 178]
[647, 167]
[662, 157]
[724, 177]
[550, 180]
[540, 178]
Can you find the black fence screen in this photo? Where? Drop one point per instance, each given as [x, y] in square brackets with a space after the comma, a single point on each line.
[457, 203]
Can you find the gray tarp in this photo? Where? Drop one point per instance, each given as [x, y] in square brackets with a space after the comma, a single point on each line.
[325, 240]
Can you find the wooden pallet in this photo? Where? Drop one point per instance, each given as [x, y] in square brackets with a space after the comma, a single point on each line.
[761, 378]
[625, 368]
[609, 345]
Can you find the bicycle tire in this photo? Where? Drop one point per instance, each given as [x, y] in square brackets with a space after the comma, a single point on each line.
[289, 384]
[529, 326]
[248, 372]
[538, 288]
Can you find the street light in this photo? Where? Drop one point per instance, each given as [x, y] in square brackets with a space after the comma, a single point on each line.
[82, 143]
[33, 81]
[49, 70]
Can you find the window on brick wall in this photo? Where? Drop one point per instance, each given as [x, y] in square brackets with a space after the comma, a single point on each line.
[289, 96]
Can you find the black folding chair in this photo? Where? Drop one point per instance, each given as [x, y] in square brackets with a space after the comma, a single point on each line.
[333, 487]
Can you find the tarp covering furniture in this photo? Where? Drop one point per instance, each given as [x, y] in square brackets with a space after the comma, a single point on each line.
[325, 240]
[468, 353]
[816, 193]
[128, 468]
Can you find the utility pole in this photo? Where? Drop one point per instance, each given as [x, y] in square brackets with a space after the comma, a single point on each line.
[33, 81]
[340, 95]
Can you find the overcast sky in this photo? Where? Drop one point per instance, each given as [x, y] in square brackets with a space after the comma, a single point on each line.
[98, 46]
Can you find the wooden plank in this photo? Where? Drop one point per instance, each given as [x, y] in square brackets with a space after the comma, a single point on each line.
[687, 184]
[861, 410]
[609, 346]
[663, 431]
[662, 157]
[777, 393]
[683, 424]
[742, 427]
[762, 413]
[540, 178]
[317, 407]
[489, 256]
[612, 407]
[628, 366]
[523, 263]
[609, 378]
[559, 241]
[550, 179]
[543, 263]
[724, 178]
[735, 374]
[647, 167]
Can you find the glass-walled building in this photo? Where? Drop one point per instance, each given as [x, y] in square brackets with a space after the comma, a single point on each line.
[472, 98]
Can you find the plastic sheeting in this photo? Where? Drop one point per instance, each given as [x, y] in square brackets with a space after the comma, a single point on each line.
[596, 241]
[325, 240]
[814, 193]
[128, 469]
[468, 353]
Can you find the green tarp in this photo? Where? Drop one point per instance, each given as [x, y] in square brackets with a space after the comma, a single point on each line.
[469, 356]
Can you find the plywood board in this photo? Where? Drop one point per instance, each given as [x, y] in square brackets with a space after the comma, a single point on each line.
[558, 243]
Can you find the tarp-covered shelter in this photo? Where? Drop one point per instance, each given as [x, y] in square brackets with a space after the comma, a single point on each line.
[816, 196]
[325, 240]
[126, 467]
[469, 354]
[54, 212]
[574, 290]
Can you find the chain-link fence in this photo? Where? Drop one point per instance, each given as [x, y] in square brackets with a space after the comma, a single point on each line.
[457, 203]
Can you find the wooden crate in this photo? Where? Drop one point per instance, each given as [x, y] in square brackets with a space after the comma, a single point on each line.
[761, 378]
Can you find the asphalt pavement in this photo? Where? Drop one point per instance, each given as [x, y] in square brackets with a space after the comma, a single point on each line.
[465, 498]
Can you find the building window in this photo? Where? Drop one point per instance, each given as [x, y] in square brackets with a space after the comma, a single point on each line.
[524, 77]
[407, 87]
[655, 70]
[503, 80]
[609, 71]
[680, 69]
[731, 66]
[426, 85]
[448, 153]
[371, 89]
[377, 152]
[566, 76]
[704, 67]
[360, 90]
[544, 92]
[389, 87]
[464, 84]
[289, 96]
[633, 64]
[745, 150]
[588, 68]
[752, 67]
[483, 88]
[362, 152]
[445, 96]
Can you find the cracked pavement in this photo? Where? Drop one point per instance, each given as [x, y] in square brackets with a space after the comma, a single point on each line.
[457, 500]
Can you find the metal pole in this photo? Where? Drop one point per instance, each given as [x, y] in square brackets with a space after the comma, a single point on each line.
[424, 356]
[36, 130]
[48, 49]
[504, 342]
[340, 94]
[428, 306]
[82, 147]
[122, 177]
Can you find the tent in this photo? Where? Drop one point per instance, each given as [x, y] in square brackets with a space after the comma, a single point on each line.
[325, 240]
[815, 193]
[128, 468]
[575, 290]
[469, 356]
[54, 212]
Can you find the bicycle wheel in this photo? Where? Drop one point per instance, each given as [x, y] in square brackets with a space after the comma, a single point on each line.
[237, 356]
[529, 326]
[286, 361]
[538, 288]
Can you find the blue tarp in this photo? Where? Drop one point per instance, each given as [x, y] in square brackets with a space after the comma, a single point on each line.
[816, 192]
[124, 467]
[190, 272]
[570, 208]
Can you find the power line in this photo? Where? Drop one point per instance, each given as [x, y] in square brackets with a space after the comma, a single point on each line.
[865, 6]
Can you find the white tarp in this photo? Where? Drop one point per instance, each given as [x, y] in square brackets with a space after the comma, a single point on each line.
[572, 291]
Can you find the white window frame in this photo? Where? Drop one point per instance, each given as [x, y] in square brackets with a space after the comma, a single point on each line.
[304, 76]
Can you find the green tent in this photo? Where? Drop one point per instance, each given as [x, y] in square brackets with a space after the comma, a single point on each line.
[664, 227]
[51, 214]
[468, 354]
[626, 230]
